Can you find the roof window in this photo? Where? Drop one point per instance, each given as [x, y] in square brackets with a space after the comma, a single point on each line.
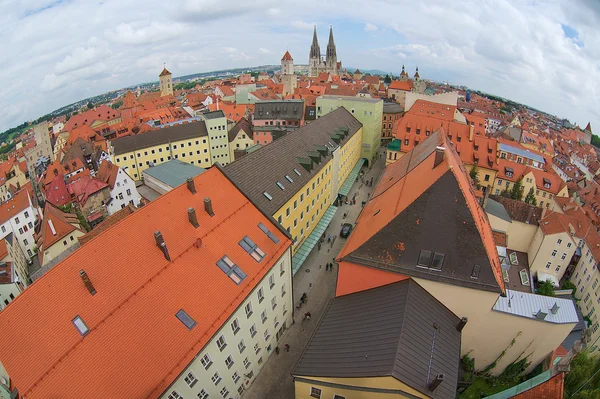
[296, 171]
[186, 319]
[265, 230]
[475, 272]
[431, 260]
[80, 325]
[289, 179]
[269, 197]
[280, 185]
[231, 269]
[252, 249]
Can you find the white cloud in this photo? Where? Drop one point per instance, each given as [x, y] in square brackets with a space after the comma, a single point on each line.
[303, 25]
[263, 50]
[127, 33]
[370, 27]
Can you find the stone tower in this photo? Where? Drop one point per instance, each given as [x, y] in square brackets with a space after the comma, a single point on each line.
[314, 58]
[166, 83]
[331, 57]
[288, 78]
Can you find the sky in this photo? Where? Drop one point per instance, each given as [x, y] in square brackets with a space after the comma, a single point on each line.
[544, 53]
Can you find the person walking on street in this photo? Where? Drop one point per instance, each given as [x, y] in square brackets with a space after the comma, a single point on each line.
[277, 350]
[307, 315]
[287, 347]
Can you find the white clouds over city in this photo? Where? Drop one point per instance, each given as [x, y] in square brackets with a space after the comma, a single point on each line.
[544, 53]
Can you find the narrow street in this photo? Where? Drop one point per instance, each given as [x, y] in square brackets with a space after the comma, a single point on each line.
[275, 380]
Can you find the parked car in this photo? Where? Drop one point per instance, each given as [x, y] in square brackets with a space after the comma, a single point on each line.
[346, 229]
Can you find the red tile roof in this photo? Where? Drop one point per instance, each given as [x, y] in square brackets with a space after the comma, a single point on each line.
[287, 57]
[107, 172]
[551, 389]
[164, 72]
[84, 187]
[56, 190]
[405, 85]
[520, 170]
[102, 112]
[136, 346]
[18, 203]
[63, 224]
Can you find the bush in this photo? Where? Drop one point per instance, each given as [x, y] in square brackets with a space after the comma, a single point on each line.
[546, 288]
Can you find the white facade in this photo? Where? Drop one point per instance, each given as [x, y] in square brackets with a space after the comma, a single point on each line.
[123, 193]
[218, 140]
[231, 360]
[22, 225]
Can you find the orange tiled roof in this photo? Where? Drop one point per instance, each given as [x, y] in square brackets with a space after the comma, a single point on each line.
[520, 170]
[405, 85]
[19, 202]
[84, 187]
[390, 199]
[107, 172]
[63, 223]
[265, 94]
[551, 389]
[164, 72]
[287, 57]
[136, 346]
[103, 112]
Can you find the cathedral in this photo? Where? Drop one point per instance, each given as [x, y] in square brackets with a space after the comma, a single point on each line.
[330, 64]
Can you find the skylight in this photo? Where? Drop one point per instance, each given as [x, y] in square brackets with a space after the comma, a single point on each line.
[269, 197]
[252, 249]
[296, 171]
[280, 185]
[80, 325]
[431, 260]
[231, 269]
[476, 271]
[289, 179]
[268, 233]
[186, 319]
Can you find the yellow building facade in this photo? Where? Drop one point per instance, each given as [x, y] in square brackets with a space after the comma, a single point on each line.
[355, 388]
[542, 196]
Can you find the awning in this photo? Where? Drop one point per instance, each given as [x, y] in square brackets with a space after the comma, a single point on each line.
[311, 241]
[347, 185]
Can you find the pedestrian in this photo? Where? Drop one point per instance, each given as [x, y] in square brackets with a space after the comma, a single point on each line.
[307, 315]
[277, 350]
[287, 347]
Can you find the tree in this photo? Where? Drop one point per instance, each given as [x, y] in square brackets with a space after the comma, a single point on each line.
[90, 105]
[387, 80]
[517, 190]
[546, 288]
[530, 198]
[116, 105]
[474, 173]
[583, 381]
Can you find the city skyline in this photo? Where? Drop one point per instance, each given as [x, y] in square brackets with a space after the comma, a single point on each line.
[543, 55]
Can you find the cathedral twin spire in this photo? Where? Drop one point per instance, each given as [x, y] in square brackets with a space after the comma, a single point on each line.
[316, 64]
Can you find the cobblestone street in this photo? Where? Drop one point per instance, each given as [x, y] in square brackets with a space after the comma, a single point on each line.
[275, 380]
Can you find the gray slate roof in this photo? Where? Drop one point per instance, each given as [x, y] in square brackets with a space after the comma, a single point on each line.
[174, 172]
[386, 331]
[279, 109]
[214, 114]
[497, 209]
[392, 108]
[260, 170]
[152, 138]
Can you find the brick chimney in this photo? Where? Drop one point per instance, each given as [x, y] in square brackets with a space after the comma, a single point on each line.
[208, 206]
[461, 324]
[86, 281]
[190, 185]
[160, 242]
[436, 382]
[192, 217]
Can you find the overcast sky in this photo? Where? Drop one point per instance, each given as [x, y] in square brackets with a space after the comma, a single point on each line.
[543, 53]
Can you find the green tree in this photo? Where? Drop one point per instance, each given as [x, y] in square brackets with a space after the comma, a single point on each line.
[517, 190]
[583, 380]
[90, 105]
[116, 105]
[530, 198]
[474, 173]
[387, 80]
[546, 288]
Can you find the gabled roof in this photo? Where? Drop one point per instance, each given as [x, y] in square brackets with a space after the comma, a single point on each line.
[386, 331]
[135, 346]
[243, 125]
[287, 57]
[85, 187]
[18, 203]
[283, 156]
[519, 210]
[63, 224]
[405, 85]
[107, 172]
[424, 202]
[164, 72]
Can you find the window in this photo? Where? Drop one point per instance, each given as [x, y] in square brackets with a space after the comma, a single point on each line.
[186, 319]
[267, 335]
[248, 309]
[564, 255]
[260, 360]
[203, 394]
[224, 392]
[216, 378]
[283, 290]
[273, 303]
[252, 330]
[253, 250]
[175, 395]
[231, 269]
[569, 245]
[261, 295]
[80, 325]
[263, 316]
[338, 397]
[256, 348]
[281, 269]
[235, 377]
[191, 379]
[241, 346]
[26, 214]
[271, 281]
[221, 344]
[430, 260]
[206, 361]
[229, 361]
[559, 241]
[554, 253]
[17, 220]
[315, 392]
[247, 363]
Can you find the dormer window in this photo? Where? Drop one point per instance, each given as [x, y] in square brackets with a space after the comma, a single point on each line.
[508, 172]
[547, 183]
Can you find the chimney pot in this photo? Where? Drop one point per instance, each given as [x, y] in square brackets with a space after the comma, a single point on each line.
[461, 324]
[436, 382]
[208, 206]
[86, 281]
[192, 217]
[160, 242]
[190, 185]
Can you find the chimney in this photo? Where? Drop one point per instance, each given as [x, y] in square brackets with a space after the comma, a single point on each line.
[51, 225]
[436, 382]
[208, 206]
[461, 324]
[190, 185]
[471, 128]
[160, 242]
[86, 281]
[192, 217]
[439, 156]
[554, 308]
